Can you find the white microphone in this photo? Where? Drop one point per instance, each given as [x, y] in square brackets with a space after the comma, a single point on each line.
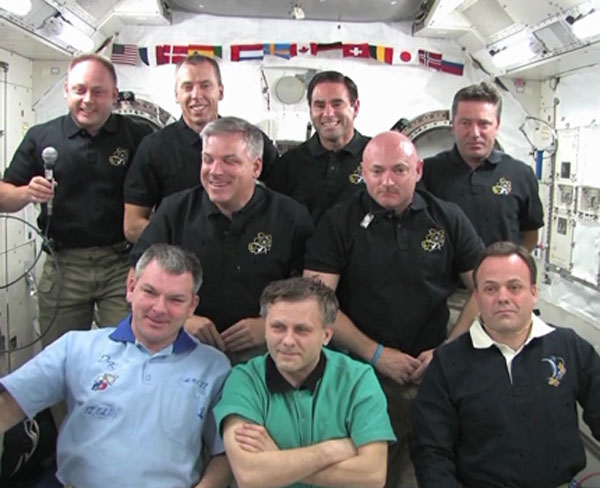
[49, 156]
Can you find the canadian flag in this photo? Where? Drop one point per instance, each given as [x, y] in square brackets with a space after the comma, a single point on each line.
[306, 49]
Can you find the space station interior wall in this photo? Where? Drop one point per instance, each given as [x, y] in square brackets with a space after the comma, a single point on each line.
[572, 273]
[387, 92]
[18, 244]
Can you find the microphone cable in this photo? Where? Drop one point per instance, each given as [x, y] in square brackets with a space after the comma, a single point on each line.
[45, 244]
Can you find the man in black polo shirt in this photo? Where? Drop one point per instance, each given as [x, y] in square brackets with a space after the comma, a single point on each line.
[325, 169]
[94, 149]
[394, 255]
[169, 160]
[244, 234]
[498, 193]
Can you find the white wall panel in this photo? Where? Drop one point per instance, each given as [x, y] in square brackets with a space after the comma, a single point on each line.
[16, 246]
[21, 306]
[585, 257]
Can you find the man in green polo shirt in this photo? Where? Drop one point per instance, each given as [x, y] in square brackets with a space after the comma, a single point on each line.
[303, 415]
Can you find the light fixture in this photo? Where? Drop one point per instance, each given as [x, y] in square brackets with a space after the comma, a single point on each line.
[17, 7]
[587, 25]
[56, 26]
[519, 50]
[297, 12]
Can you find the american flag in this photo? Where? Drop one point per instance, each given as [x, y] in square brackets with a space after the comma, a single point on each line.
[124, 54]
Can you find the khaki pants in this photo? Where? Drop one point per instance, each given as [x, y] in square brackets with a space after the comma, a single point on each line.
[400, 472]
[91, 277]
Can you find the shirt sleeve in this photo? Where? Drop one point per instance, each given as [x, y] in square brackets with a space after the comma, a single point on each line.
[212, 438]
[270, 154]
[25, 163]
[277, 179]
[41, 382]
[531, 212]
[588, 392]
[241, 396]
[303, 231]
[467, 243]
[326, 250]
[435, 431]
[160, 229]
[142, 183]
[370, 421]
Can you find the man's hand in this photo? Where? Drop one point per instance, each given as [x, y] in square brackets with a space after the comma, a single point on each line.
[397, 365]
[425, 358]
[254, 438]
[204, 330]
[244, 334]
[40, 190]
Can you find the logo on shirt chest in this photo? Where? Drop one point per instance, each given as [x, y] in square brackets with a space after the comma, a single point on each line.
[502, 187]
[356, 177]
[119, 157]
[558, 369]
[103, 381]
[261, 244]
[434, 240]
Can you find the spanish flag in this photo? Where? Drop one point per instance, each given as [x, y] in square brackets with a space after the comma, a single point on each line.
[205, 50]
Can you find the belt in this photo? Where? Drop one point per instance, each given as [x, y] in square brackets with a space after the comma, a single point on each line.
[122, 247]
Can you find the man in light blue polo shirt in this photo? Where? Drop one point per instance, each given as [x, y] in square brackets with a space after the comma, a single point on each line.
[140, 396]
[303, 415]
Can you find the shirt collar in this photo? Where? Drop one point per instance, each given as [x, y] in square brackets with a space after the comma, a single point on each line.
[354, 147]
[189, 135]
[278, 384]
[494, 158]
[72, 129]
[124, 333]
[256, 198]
[372, 207]
[481, 339]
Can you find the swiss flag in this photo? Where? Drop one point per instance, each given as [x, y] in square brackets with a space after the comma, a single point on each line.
[356, 51]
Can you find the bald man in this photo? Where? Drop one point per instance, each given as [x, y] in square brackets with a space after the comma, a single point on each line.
[394, 255]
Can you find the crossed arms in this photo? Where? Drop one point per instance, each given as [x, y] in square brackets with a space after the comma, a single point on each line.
[258, 462]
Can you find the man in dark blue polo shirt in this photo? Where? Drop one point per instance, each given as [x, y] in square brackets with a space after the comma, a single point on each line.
[169, 160]
[95, 149]
[325, 169]
[394, 255]
[498, 193]
[498, 406]
[244, 234]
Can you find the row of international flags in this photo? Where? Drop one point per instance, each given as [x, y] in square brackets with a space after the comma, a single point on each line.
[131, 54]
